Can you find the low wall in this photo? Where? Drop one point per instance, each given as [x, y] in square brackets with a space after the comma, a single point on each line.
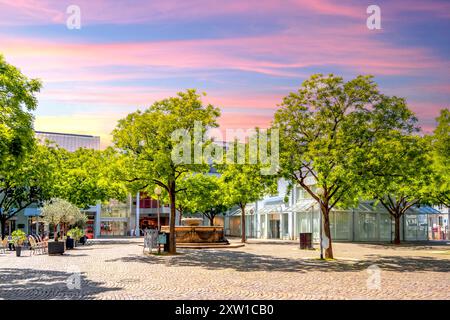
[198, 234]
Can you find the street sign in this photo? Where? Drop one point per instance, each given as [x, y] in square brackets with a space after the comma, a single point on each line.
[151, 239]
[162, 238]
[325, 242]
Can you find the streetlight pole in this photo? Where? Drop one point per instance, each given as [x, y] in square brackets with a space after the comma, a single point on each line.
[158, 194]
[320, 193]
[321, 231]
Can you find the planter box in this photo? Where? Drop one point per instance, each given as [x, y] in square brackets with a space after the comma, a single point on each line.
[55, 248]
[70, 243]
[18, 251]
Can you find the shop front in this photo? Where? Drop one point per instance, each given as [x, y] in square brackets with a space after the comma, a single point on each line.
[114, 219]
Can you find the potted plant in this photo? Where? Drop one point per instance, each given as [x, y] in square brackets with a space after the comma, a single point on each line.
[18, 237]
[60, 213]
[74, 235]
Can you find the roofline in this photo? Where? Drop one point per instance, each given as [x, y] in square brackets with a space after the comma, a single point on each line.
[68, 134]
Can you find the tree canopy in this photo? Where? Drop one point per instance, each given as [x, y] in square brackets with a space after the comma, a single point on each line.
[326, 129]
[17, 101]
[398, 174]
[27, 183]
[61, 212]
[150, 141]
[439, 189]
[84, 177]
[244, 183]
[205, 194]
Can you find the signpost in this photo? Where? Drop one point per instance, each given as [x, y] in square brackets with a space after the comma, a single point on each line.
[151, 239]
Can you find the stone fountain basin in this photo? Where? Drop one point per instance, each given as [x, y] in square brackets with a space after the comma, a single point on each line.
[198, 234]
[191, 221]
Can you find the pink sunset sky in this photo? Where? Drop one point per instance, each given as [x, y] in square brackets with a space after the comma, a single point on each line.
[246, 55]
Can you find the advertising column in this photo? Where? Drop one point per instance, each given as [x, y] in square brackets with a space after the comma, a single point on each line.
[138, 210]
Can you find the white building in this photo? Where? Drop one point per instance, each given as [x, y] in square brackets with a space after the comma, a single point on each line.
[273, 218]
[70, 142]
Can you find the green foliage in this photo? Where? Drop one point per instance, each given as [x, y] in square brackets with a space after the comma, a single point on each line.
[18, 237]
[439, 189]
[58, 211]
[26, 181]
[75, 233]
[244, 183]
[17, 100]
[146, 142]
[398, 172]
[205, 194]
[84, 177]
[327, 129]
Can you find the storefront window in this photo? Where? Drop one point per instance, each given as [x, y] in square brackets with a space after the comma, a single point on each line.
[316, 224]
[263, 226]
[304, 222]
[285, 229]
[115, 209]
[367, 226]
[416, 227]
[113, 228]
[386, 227]
[249, 226]
[274, 226]
[340, 227]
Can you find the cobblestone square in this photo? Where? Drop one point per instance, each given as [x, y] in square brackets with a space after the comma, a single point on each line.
[260, 270]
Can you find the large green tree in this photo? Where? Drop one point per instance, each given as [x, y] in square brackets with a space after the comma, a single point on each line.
[439, 189]
[18, 177]
[25, 183]
[398, 174]
[205, 194]
[63, 213]
[17, 101]
[84, 177]
[244, 183]
[153, 140]
[326, 129]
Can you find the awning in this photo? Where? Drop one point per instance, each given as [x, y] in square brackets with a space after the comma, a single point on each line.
[32, 212]
[248, 210]
[302, 205]
[272, 208]
[422, 210]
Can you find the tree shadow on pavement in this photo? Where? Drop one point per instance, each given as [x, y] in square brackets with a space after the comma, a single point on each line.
[33, 284]
[248, 262]
[423, 245]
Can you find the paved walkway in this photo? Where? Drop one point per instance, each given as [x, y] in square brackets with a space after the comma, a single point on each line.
[260, 270]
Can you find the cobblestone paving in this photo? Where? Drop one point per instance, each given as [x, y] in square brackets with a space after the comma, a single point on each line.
[260, 270]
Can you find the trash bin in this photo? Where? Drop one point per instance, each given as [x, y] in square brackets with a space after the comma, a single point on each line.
[164, 239]
[306, 240]
[167, 244]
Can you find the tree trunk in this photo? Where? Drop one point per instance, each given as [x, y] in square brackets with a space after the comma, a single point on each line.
[3, 228]
[326, 228]
[172, 237]
[180, 216]
[244, 237]
[397, 229]
[211, 220]
[55, 230]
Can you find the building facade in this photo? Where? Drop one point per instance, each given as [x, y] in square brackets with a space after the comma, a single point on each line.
[273, 218]
[27, 219]
[70, 142]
